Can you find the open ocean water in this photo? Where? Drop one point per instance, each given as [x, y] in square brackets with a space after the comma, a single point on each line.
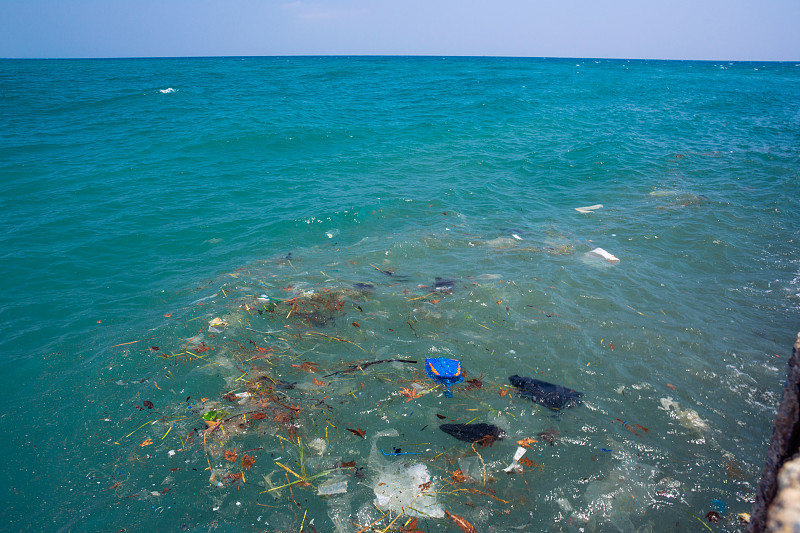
[200, 256]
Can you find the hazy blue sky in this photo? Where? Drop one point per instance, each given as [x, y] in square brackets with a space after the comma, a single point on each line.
[666, 29]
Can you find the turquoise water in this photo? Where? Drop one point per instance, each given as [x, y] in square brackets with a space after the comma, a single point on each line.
[310, 203]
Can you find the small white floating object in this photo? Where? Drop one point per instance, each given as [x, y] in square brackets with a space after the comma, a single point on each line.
[588, 208]
[605, 255]
[167, 90]
[517, 456]
[516, 236]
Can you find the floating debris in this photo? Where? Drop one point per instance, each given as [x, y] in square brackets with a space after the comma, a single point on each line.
[444, 371]
[405, 489]
[552, 396]
[217, 325]
[589, 208]
[486, 434]
[550, 435]
[611, 258]
[443, 285]
[688, 418]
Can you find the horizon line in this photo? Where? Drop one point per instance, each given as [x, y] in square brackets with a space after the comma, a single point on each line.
[421, 56]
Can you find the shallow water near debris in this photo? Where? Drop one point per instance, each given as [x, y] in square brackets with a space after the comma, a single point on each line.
[216, 272]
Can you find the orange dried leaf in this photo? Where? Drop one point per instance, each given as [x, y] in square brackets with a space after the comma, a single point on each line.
[411, 527]
[360, 432]
[526, 442]
[462, 523]
[146, 442]
[410, 393]
[458, 476]
[231, 456]
[168, 315]
[525, 461]
[258, 416]
[348, 464]
[307, 366]
[319, 383]
[248, 461]
[503, 392]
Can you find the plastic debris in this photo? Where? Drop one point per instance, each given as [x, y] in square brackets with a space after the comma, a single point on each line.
[444, 371]
[552, 396]
[605, 255]
[588, 208]
[443, 285]
[687, 418]
[486, 434]
[334, 485]
[515, 462]
[720, 506]
[403, 489]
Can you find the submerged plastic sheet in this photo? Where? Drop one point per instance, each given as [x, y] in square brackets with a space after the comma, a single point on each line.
[444, 371]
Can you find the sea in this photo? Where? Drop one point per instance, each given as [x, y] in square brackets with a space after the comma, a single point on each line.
[287, 294]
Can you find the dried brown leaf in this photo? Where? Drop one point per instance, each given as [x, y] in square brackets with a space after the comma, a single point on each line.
[462, 523]
[410, 393]
[307, 366]
[231, 455]
[248, 461]
[458, 477]
[360, 432]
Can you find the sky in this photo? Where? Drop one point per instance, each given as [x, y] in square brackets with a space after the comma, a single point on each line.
[734, 30]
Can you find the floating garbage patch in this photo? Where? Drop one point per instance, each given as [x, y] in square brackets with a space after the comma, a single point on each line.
[361, 394]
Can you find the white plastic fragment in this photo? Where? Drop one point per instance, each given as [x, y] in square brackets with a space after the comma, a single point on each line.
[402, 490]
[516, 236]
[588, 208]
[515, 463]
[605, 255]
[334, 485]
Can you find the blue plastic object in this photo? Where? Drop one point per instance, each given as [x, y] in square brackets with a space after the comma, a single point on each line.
[444, 371]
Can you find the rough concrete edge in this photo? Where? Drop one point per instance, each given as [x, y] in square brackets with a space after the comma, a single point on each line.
[783, 444]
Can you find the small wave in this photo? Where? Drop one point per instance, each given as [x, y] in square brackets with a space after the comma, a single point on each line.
[168, 90]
